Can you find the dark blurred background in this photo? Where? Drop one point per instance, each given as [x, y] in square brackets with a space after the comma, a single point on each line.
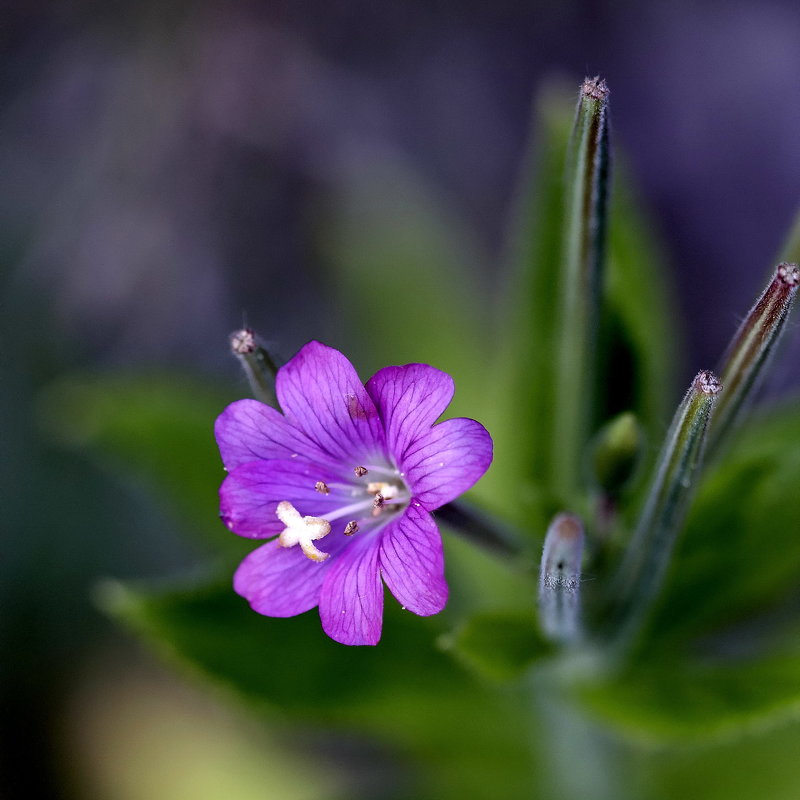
[169, 170]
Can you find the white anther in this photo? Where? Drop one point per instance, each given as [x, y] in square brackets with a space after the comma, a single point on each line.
[302, 530]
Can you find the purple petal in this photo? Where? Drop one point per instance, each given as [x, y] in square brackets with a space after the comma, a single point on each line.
[409, 400]
[322, 396]
[446, 461]
[251, 493]
[281, 581]
[412, 563]
[351, 601]
[248, 430]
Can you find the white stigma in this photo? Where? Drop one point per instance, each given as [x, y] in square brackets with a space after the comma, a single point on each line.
[302, 530]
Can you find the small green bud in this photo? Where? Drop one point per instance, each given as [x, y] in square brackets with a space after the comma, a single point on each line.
[616, 452]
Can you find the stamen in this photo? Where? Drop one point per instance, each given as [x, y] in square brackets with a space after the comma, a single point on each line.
[302, 530]
[322, 487]
[362, 507]
[389, 472]
[351, 528]
[378, 501]
[360, 471]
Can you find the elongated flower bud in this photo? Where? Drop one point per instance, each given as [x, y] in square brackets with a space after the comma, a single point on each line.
[748, 353]
[258, 364]
[560, 579]
[581, 279]
[643, 566]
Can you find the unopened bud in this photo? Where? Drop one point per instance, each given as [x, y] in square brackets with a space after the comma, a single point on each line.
[560, 578]
[748, 354]
[259, 366]
[594, 88]
[644, 563]
[583, 245]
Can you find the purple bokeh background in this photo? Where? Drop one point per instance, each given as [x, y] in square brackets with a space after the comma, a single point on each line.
[165, 167]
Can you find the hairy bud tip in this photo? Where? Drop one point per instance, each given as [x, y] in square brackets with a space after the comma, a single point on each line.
[788, 273]
[707, 383]
[243, 342]
[595, 88]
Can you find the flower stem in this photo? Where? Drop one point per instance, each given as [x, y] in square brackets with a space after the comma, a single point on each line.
[581, 760]
[476, 527]
[258, 365]
[583, 257]
[750, 349]
[644, 563]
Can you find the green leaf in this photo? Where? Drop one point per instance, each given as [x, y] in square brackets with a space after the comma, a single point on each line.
[158, 429]
[282, 663]
[740, 550]
[405, 691]
[520, 418]
[639, 340]
[681, 701]
[500, 645]
[722, 651]
[760, 764]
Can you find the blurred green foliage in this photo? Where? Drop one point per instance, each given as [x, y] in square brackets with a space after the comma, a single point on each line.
[153, 428]
[405, 692]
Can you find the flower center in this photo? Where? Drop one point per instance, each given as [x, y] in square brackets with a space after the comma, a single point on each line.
[372, 497]
[375, 494]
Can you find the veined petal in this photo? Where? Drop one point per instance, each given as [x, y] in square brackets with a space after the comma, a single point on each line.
[409, 400]
[351, 601]
[446, 461]
[249, 496]
[412, 563]
[281, 582]
[248, 430]
[321, 395]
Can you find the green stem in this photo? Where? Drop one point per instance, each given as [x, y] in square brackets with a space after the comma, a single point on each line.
[644, 564]
[480, 528]
[582, 760]
[583, 257]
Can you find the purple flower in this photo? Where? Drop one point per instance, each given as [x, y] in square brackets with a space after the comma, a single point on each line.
[346, 479]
